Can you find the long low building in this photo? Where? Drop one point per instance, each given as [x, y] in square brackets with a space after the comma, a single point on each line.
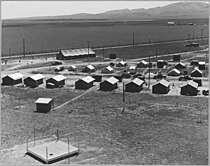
[75, 53]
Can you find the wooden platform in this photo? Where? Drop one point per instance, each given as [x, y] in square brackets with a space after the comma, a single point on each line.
[52, 151]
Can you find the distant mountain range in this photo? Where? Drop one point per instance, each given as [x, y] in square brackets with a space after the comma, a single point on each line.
[181, 10]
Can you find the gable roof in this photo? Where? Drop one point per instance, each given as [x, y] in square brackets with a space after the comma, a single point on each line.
[137, 81]
[88, 79]
[174, 70]
[43, 100]
[37, 76]
[59, 78]
[109, 68]
[163, 82]
[193, 84]
[197, 70]
[73, 66]
[112, 80]
[144, 62]
[180, 63]
[132, 67]
[122, 62]
[16, 76]
[90, 67]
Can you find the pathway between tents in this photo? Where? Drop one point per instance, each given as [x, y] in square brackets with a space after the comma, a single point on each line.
[93, 88]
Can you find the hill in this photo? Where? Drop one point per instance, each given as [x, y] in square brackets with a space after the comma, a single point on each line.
[180, 10]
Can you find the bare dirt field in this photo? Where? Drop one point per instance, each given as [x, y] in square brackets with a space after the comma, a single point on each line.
[145, 129]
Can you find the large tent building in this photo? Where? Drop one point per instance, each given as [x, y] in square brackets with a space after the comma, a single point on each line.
[34, 80]
[75, 53]
[12, 79]
[56, 81]
[191, 89]
[84, 83]
[109, 85]
[136, 85]
[161, 87]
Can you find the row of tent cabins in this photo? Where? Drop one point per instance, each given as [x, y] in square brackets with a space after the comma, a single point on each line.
[34, 80]
[200, 64]
[194, 73]
[163, 87]
[75, 54]
[44, 105]
[17, 78]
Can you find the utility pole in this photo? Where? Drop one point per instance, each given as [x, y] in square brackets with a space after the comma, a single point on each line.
[133, 39]
[24, 51]
[123, 92]
[88, 51]
[149, 73]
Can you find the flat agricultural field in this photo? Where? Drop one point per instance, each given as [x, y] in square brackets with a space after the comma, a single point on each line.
[47, 37]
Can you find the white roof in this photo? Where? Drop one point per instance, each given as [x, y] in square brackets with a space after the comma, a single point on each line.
[202, 63]
[112, 80]
[16, 76]
[196, 69]
[175, 70]
[37, 76]
[109, 68]
[193, 84]
[144, 62]
[132, 67]
[88, 79]
[59, 78]
[73, 66]
[90, 67]
[181, 64]
[137, 81]
[163, 82]
[43, 100]
[122, 62]
[77, 52]
[160, 60]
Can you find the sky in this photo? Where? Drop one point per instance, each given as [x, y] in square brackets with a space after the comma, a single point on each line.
[18, 9]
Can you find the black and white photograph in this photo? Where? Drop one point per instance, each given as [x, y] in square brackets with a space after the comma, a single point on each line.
[104, 82]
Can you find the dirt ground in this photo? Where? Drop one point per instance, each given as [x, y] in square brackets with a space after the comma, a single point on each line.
[145, 129]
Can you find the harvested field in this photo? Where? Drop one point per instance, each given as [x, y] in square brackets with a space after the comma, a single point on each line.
[37, 36]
